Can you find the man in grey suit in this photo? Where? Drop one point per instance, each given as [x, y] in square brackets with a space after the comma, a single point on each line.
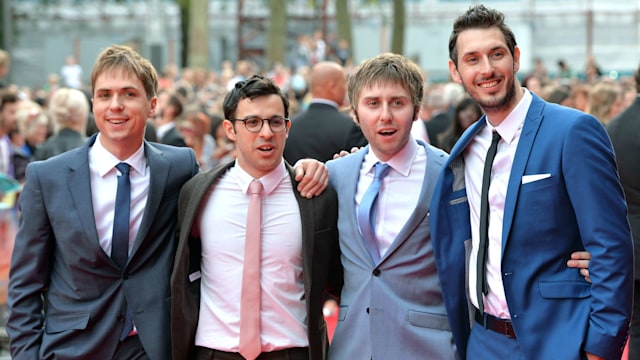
[623, 131]
[391, 305]
[322, 129]
[68, 297]
[299, 256]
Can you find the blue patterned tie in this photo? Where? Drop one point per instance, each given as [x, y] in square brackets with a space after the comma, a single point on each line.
[120, 239]
[366, 211]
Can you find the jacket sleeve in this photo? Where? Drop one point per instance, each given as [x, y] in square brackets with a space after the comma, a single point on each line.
[29, 276]
[600, 209]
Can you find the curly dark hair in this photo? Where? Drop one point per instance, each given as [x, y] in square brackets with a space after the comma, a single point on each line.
[255, 86]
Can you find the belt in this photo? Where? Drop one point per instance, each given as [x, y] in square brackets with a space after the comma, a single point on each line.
[284, 354]
[501, 326]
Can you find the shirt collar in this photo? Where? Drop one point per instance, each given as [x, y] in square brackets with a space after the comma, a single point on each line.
[514, 121]
[269, 182]
[400, 162]
[324, 101]
[106, 161]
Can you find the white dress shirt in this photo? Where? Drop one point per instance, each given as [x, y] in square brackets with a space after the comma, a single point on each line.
[222, 227]
[419, 131]
[398, 196]
[104, 184]
[495, 302]
[5, 154]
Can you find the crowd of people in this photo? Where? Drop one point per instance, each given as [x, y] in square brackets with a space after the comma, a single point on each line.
[442, 207]
[194, 112]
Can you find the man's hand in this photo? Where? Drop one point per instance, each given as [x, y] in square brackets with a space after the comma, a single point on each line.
[591, 356]
[330, 307]
[344, 153]
[580, 260]
[313, 177]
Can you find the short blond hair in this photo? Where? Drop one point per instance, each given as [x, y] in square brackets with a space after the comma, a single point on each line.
[124, 58]
[385, 68]
[69, 108]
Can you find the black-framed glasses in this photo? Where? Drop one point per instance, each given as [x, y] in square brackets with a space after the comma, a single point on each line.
[254, 123]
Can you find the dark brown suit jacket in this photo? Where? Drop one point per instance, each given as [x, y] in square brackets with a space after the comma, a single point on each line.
[321, 263]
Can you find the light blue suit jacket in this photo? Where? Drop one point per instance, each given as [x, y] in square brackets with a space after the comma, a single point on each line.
[555, 313]
[393, 309]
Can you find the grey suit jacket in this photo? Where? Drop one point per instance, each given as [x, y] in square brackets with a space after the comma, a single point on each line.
[393, 309]
[321, 265]
[66, 295]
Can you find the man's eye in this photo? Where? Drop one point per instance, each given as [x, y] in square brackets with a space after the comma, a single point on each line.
[253, 121]
[277, 121]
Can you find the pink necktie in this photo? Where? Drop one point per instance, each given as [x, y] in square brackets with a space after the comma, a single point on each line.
[250, 345]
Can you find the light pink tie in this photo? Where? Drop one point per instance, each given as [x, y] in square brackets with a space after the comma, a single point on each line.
[250, 345]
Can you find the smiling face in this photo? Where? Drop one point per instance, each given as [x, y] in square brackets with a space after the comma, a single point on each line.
[258, 153]
[486, 69]
[385, 112]
[121, 108]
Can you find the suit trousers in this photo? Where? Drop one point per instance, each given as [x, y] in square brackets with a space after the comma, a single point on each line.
[130, 349]
[485, 344]
[203, 353]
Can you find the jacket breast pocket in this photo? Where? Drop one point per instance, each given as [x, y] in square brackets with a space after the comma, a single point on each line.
[538, 184]
[564, 289]
[70, 321]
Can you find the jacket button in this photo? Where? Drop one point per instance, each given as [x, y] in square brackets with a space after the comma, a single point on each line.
[376, 272]
[120, 318]
[367, 310]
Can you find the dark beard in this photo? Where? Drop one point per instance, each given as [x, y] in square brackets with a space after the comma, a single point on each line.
[498, 104]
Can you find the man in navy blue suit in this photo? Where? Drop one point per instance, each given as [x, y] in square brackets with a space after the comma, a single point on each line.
[553, 189]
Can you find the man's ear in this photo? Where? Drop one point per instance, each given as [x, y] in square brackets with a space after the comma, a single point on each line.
[453, 71]
[229, 129]
[516, 59]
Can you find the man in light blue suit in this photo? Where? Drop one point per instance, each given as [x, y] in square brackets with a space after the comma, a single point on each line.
[391, 305]
[553, 189]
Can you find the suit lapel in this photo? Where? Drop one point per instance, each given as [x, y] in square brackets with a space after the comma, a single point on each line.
[307, 219]
[79, 180]
[350, 186]
[525, 144]
[422, 209]
[158, 173]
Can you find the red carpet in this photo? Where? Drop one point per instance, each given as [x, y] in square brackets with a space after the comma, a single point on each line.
[331, 324]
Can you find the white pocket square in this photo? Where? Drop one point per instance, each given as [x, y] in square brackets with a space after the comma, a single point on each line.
[531, 178]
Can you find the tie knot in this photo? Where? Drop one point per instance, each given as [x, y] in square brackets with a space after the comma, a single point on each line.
[496, 137]
[255, 187]
[123, 168]
[382, 170]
